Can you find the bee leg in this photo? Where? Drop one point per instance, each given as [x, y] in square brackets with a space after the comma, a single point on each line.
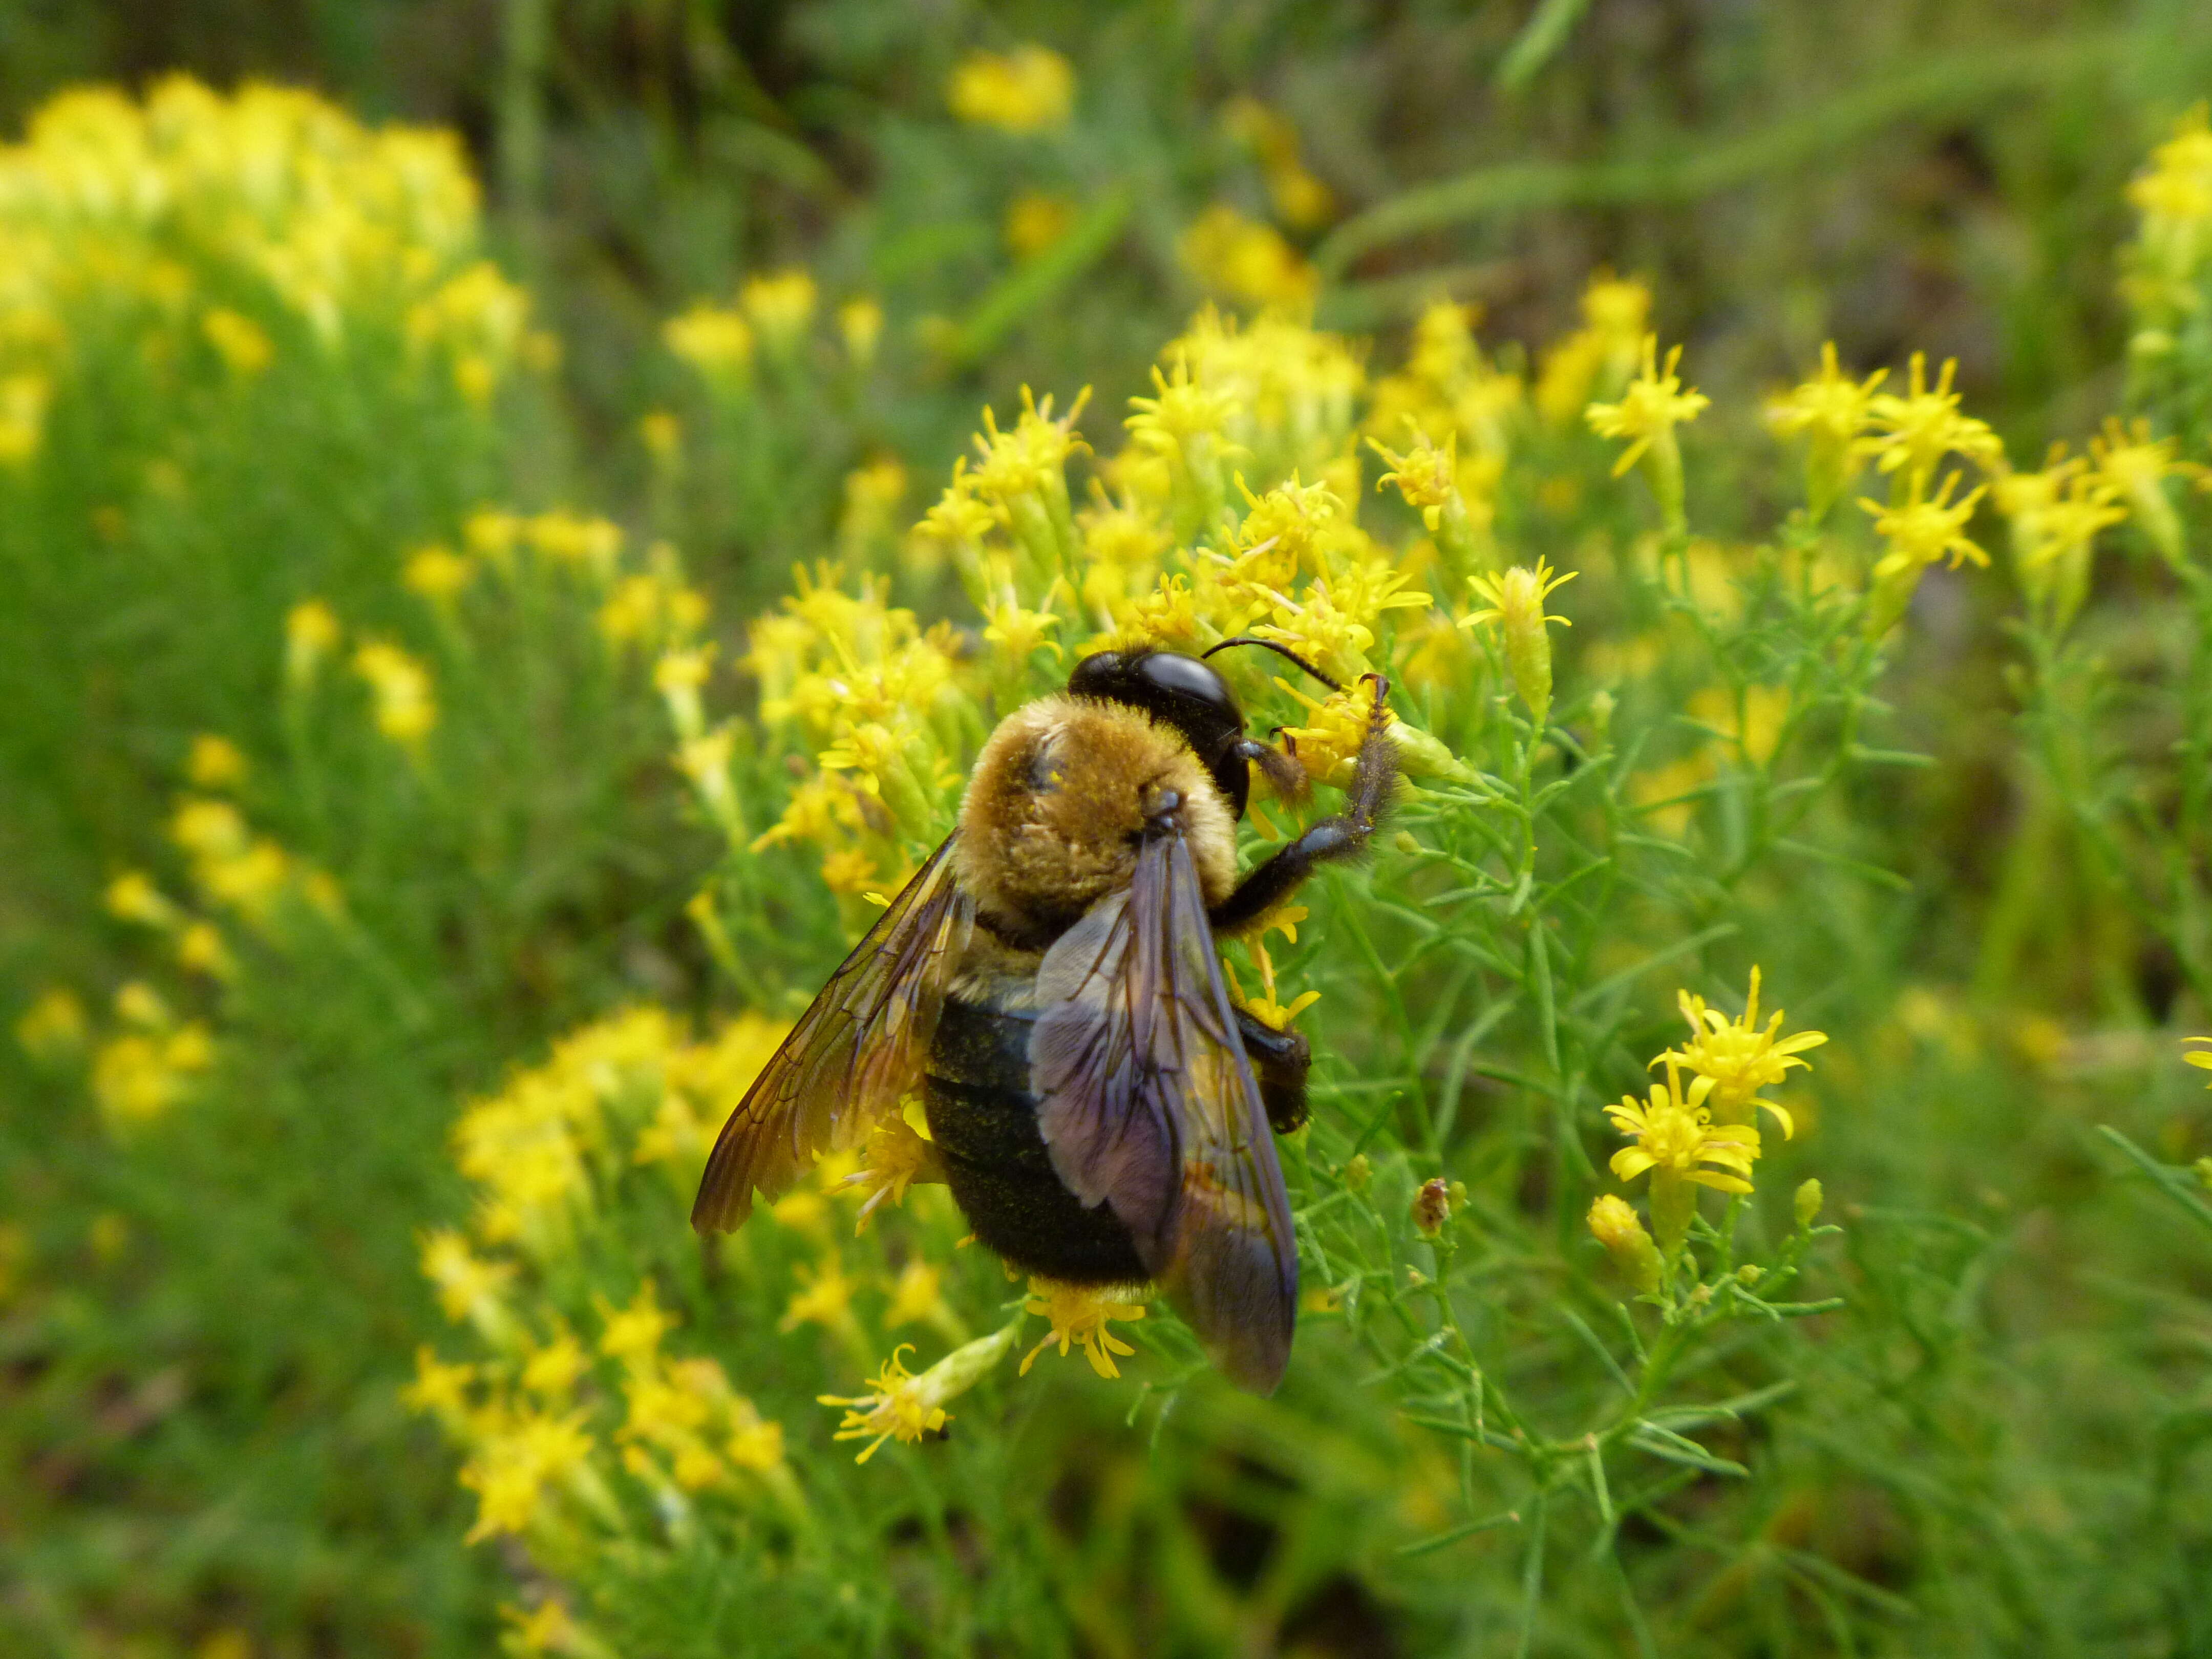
[1280, 1061]
[1341, 836]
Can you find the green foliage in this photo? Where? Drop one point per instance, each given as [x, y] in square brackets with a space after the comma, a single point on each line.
[462, 968]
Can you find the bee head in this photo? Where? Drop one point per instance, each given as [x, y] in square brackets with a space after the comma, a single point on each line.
[1181, 692]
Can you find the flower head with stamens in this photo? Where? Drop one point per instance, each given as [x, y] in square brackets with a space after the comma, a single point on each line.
[1515, 606]
[900, 1405]
[1740, 1057]
[1830, 410]
[1652, 405]
[1922, 424]
[1078, 1314]
[897, 1156]
[1676, 1140]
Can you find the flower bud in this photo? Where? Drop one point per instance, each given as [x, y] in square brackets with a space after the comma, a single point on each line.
[1809, 1198]
[1618, 1227]
[1749, 1274]
[1357, 1173]
[1432, 1207]
[2204, 1168]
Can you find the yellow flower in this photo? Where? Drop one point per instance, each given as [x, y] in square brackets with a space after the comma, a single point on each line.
[1078, 1314]
[439, 1390]
[1675, 1139]
[1919, 532]
[2201, 1058]
[1028, 90]
[214, 762]
[550, 1371]
[132, 897]
[1035, 221]
[240, 341]
[897, 1155]
[2134, 466]
[1620, 1229]
[1651, 407]
[23, 399]
[469, 1286]
[903, 1406]
[1740, 1057]
[1264, 1006]
[1427, 477]
[1922, 425]
[1516, 608]
[437, 573]
[311, 633]
[1241, 258]
[632, 1335]
[824, 1297]
[53, 1027]
[715, 341]
[781, 305]
[406, 711]
[511, 1471]
[918, 1295]
[1832, 410]
[860, 325]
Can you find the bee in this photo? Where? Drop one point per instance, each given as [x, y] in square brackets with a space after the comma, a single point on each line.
[1048, 984]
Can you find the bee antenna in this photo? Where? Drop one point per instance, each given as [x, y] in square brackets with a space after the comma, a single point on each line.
[1279, 650]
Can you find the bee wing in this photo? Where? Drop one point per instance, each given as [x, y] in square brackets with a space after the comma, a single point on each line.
[853, 1053]
[1147, 1101]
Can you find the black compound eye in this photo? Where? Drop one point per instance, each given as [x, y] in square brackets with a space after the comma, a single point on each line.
[1185, 693]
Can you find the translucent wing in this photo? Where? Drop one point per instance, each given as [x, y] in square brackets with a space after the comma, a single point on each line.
[1148, 1103]
[853, 1054]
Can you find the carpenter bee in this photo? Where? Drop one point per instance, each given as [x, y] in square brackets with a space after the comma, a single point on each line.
[1048, 984]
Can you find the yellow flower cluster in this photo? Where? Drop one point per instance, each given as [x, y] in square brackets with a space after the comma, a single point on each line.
[1030, 89]
[1699, 1132]
[1248, 260]
[166, 204]
[2172, 250]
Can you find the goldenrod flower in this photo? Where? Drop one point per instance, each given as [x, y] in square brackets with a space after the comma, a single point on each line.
[54, 1026]
[214, 762]
[2135, 467]
[1919, 532]
[860, 325]
[1078, 1314]
[23, 400]
[1620, 1229]
[781, 305]
[439, 1390]
[132, 897]
[400, 685]
[1740, 1057]
[632, 1335]
[311, 633]
[2201, 1058]
[1651, 406]
[897, 1155]
[470, 1287]
[512, 1470]
[1675, 1139]
[1427, 477]
[1035, 220]
[1029, 90]
[1832, 410]
[1242, 258]
[240, 341]
[1921, 425]
[1515, 606]
[716, 342]
[903, 1406]
[824, 1297]
[436, 573]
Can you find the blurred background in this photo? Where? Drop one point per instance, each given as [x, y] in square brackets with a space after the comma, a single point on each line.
[203, 1339]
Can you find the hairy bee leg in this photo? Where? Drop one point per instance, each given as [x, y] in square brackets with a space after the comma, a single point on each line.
[1280, 1061]
[1341, 836]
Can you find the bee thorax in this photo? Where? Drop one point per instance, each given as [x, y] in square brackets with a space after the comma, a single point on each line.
[1061, 801]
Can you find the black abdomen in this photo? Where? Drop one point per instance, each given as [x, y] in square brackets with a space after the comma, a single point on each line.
[983, 1118]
